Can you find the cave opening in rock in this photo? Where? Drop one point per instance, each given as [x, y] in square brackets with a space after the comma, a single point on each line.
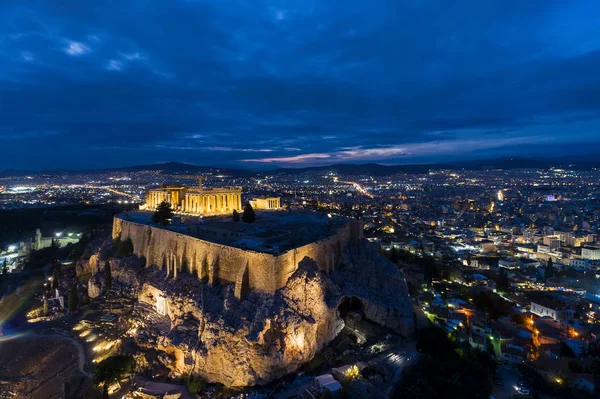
[349, 305]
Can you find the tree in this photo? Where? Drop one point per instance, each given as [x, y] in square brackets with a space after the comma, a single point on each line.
[248, 216]
[105, 392]
[73, 299]
[55, 277]
[163, 214]
[518, 319]
[196, 384]
[549, 271]
[5, 267]
[394, 257]
[113, 369]
[430, 270]
[45, 306]
[236, 216]
[435, 342]
[107, 277]
[453, 274]
[502, 283]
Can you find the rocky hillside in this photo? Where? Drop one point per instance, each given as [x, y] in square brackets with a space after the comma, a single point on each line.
[262, 337]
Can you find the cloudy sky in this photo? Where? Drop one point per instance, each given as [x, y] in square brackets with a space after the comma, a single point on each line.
[295, 82]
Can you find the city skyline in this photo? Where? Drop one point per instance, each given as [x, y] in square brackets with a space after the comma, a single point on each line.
[286, 83]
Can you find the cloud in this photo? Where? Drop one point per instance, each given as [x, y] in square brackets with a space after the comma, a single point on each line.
[76, 48]
[114, 65]
[27, 56]
[360, 154]
[232, 149]
[132, 56]
[294, 82]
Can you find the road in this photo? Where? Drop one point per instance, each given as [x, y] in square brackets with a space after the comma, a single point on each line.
[80, 352]
[358, 188]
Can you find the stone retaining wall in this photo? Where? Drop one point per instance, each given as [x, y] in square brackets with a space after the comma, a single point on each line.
[177, 252]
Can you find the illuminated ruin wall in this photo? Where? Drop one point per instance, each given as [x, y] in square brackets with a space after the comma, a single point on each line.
[176, 253]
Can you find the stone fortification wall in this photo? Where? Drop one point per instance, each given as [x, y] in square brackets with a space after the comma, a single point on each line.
[176, 253]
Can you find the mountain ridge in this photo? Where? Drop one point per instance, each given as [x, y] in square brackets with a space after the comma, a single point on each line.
[374, 169]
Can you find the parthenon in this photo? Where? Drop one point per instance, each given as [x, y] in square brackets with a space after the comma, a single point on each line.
[198, 201]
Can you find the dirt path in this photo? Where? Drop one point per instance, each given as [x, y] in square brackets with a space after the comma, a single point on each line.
[80, 352]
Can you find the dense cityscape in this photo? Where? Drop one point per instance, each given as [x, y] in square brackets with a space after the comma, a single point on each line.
[291, 199]
[501, 265]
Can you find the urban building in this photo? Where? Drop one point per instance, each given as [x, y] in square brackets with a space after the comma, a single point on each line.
[544, 307]
[590, 252]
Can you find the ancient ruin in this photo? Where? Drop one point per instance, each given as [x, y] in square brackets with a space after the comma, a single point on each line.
[196, 200]
[246, 303]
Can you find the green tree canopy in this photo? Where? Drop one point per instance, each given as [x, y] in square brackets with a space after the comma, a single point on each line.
[113, 368]
[549, 271]
[248, 216]
[163, 214]
[502, 283]
[56, 277]
[394, 257]
[435, 342]
[73, 298]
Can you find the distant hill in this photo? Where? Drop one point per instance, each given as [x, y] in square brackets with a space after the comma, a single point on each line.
[170, 168]
[173, 168]
[374, 169]
[371, 169]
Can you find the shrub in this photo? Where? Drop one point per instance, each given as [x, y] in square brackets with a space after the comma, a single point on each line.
[196, 384]
[113, 369]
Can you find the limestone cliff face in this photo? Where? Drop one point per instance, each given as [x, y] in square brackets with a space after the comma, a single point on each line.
[177, 253]
[264, 336]
[379, 286]
[250, 342]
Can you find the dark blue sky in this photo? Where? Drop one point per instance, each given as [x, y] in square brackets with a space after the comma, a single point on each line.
[298, 82]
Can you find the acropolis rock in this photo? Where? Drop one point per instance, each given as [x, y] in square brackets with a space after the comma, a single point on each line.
[267, 312]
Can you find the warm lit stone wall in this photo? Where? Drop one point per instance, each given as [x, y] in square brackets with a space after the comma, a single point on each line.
[176, 253]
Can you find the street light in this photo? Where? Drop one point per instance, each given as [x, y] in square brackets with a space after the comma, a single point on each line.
[58, 234]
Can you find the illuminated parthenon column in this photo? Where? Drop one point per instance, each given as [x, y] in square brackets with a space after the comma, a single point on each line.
[197, 201]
